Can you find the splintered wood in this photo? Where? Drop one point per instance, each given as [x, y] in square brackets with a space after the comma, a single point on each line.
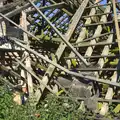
[64, 48]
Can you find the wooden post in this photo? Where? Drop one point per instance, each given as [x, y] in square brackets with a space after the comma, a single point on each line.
[116, 24]
[23, 23]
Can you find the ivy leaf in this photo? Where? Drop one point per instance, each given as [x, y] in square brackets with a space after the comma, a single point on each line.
[117, 109]
[115, 50]
[74, 62]
[108, 29]
[115, 62]
[105, 86]
[99, 106]
[106, 60]
[86, 33]
[60, 92]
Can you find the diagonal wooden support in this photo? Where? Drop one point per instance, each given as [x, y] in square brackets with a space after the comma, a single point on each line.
[11, 72]
[10, 6]
[2, 34]
[80, 39]
[2, 26]
[27, 32]
[65, 38]
[98, 31]
[85, 77]
[32, 73]
[16, 11]
[91, 38]
[109, 95]
[7, 82]
[82, 35]
[62, 47]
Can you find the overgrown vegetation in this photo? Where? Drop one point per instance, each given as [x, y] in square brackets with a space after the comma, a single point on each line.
[51, 108]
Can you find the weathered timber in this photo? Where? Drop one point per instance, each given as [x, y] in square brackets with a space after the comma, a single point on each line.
[26, 54]
[10, 6]
[94, 37]
[81, 35]
[116, 24]
[108, 4]
[64, 37]
[110, 92]
[66, 70]
[96, 56]
[19, 26]
[62, 46]
[56, 5]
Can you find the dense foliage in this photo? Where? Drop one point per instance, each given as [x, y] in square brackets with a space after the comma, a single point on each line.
[8, 109]
[51, 108]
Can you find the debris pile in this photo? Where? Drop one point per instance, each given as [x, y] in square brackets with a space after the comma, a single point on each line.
[66, 47]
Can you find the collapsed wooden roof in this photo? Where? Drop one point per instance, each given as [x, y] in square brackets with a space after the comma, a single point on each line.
[56, 44]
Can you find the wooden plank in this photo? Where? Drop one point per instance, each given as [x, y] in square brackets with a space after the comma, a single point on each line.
[64, 38]
[16, 11]
[36, 77]
[53, 6]
[82, 35]
[62, 46]
[2, 34]
[23, 23]
[66, 70]
[98, 31]
[10, 6]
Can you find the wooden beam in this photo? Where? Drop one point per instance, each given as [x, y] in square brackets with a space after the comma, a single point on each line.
[116, 24]
[10, 6]
[82, 35]
[53, 6]
[110, 91]
[66, 70]
[63, 9]
[64, 37]
[23, 23]
[62, 46]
